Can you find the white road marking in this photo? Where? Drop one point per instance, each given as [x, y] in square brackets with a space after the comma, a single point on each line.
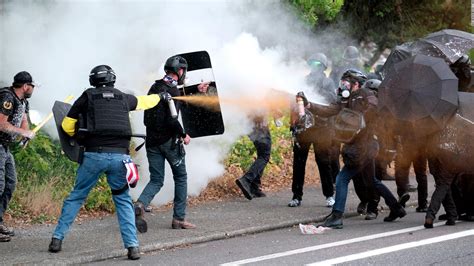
[328, 245]
[385, 250]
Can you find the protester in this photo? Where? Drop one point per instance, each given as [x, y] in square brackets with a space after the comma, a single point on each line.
[320, 136]
[360, 147]
[164, 141]
[105, 114]
[350, 60]
[250, 182]
[13, 122]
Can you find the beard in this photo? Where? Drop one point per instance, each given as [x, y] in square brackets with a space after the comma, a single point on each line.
[27, 95]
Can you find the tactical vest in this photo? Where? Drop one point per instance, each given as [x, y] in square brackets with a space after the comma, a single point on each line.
[107, 112]
[19, 108]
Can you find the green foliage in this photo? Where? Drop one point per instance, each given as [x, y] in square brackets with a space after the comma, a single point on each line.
[316, 11]
[243, 153]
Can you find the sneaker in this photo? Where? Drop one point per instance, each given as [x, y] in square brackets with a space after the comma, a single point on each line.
[6, 231]
[394, 214]
[140, 222]
[177, 224]
[244, 184]
[294, 203]
[55, 245]
[148, 208]
[362, 208]
[412, 188]
[133, 253]
[334, 220]
[371, 216]
[330, 201]
[5, 238]
[403, 199]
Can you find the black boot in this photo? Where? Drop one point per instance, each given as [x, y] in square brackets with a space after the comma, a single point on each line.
[362, 208]
[244, 185]
[133, 253]
[403, 199]
[334, 220]
[140, 222]
[55, 245]
[428, 223]
[394, 214]
[256, 191]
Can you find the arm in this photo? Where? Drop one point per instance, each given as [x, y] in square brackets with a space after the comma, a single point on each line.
[147, 101]
[69, 122]
[6, 127]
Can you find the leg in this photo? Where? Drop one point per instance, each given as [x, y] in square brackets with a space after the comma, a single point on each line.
[156, 166]
[87, 176]
[123, 201]
[402, 170]
[300, 155]
[419, 165]
[7, 180]
[323, 160]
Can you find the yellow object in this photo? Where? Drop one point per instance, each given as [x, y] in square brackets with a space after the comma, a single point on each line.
[69, 125]
[147, 101]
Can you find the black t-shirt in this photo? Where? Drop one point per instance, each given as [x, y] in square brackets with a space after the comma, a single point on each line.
[160, 126]
[79, 109]
[13, 107]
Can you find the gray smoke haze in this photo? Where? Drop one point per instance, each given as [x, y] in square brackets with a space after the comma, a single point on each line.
[254, 46]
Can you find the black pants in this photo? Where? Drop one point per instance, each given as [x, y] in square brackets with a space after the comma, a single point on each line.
[262, 141]
[324, 159]
[442, 193]
[407, 154]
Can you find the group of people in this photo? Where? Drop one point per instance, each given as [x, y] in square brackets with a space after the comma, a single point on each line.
[367, 149]
[99, 121]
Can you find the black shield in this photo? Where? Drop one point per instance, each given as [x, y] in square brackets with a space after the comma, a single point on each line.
[68, 144]
[200, 120]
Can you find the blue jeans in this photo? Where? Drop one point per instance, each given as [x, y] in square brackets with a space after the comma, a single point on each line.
[345, 176]
[156, 162]
[93, 165]
[7, 179]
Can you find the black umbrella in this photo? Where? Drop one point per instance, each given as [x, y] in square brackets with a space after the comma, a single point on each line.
[421, 46]
[421, 90]
[458, 41]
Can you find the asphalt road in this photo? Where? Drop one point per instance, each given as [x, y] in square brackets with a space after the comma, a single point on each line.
[361, 242]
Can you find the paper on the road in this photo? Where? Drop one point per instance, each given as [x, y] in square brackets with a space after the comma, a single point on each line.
[309, 229]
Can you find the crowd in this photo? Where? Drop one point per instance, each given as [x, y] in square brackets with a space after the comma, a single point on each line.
[349, 128]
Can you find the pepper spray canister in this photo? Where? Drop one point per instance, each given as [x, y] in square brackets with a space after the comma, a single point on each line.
[300, 104]
[172, 107]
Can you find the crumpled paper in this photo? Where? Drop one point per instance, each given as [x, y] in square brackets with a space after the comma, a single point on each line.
[309, 229]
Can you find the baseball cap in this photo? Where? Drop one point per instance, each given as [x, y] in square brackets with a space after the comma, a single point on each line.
[22, 78]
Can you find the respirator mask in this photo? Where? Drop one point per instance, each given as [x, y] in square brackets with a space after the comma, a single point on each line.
[344, 89]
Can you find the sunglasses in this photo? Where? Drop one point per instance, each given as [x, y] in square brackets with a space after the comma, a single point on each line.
[31, 84]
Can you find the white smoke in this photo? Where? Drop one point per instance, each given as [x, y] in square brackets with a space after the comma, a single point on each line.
[254, 45]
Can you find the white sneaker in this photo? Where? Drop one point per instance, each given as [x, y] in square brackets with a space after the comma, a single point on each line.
[330, 201]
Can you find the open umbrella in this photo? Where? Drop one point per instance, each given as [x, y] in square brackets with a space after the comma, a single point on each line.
[421, 90]
[422, 46]
[458, 41]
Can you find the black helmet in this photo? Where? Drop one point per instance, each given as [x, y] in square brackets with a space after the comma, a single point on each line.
[463, 60]
[318, 59]
[102, 75]
[351, 53]
[354, 75]
[372, 84]
[173, 64]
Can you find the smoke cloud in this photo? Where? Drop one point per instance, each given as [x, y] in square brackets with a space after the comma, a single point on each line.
[254, 46]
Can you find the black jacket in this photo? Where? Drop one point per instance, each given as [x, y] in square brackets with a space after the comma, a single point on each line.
[160, 126]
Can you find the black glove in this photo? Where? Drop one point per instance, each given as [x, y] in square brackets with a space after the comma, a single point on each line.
[302, 96]
[165, 96]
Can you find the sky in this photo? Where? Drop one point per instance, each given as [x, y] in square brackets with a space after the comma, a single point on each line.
[254, 46]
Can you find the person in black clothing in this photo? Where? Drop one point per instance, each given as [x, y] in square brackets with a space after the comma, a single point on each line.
[360, 147]
[104, 111]
[164, 141]
[350, 60]
[250, 182]
[320, 136]
[13, 122]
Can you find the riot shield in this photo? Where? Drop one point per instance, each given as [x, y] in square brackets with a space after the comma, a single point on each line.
[68, 144]
[200, 120]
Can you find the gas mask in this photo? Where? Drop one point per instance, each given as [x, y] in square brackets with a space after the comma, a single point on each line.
[344, 89]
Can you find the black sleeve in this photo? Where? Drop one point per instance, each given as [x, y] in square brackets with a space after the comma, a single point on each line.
[132, 101]
[79, 106]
